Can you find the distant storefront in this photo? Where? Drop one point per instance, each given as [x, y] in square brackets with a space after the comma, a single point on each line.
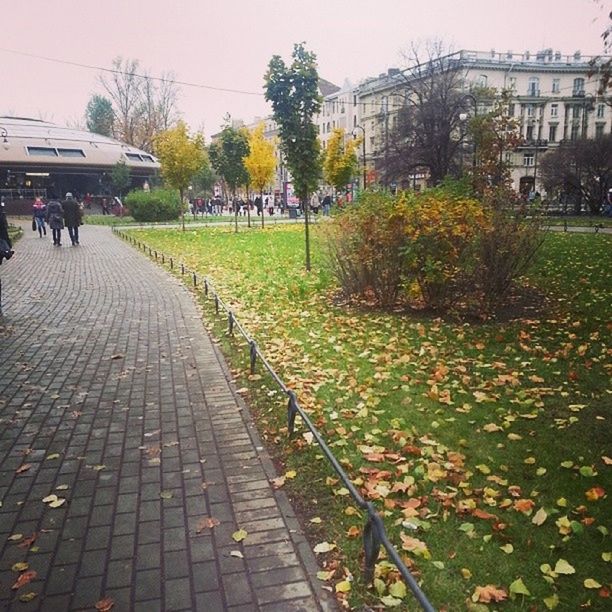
[40, 158]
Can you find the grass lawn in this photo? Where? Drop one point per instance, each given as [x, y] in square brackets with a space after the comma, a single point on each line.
[189, 219]
[485, 446]
[579, 221]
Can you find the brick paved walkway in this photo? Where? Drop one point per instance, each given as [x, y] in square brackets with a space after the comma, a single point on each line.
[115, 397]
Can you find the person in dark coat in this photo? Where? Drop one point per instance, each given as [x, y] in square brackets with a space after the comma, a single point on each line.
[72, 217]
[55, 219]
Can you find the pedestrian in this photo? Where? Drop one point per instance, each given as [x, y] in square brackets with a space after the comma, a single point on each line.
[315, 202]
[258, 205]
[6, 246]
[39, 213]
[73, 217]
[105, 210]
[55, 219]
[326, 204]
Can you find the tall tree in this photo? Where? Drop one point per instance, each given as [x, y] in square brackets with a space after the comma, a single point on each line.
[494, 131]
[340, 159]
[294, 93]
[99, 115]
[430, 104]
[260, 162]
[579, 170]
[181, 156]
[227, 155]
[142, 106]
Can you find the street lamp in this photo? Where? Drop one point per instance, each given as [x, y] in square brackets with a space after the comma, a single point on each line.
[363, 149]
[4, 134]
[464, 116]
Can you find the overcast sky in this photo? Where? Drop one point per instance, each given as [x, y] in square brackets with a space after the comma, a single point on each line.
[228, 43]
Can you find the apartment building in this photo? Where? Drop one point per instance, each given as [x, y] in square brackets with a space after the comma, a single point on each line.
[552, 95]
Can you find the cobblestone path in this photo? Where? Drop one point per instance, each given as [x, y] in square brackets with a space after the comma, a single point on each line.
[114, 398]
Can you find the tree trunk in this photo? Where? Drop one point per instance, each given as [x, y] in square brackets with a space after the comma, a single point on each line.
[306, 232]
[182, 209]
[262, 209]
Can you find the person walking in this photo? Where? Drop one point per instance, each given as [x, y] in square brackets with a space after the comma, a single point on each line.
[55, 219]
[72, 217]
[39, 213]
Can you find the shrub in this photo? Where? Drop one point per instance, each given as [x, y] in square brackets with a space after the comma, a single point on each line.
[365, 247]
[443, 233]
[507, 246]
[155, 205]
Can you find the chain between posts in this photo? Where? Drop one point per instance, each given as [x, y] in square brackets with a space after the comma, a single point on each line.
[374, 533]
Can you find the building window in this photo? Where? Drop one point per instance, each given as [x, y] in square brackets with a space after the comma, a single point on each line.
[512, 83]
[71, 152]
[530, 110]
[147, 158]
[354, 100]
[600, 110]
[599, 130]
[533, 87]
[511, 110]
[133, 156]
[576, 112]
[42, 151]
[554, 110]
[578, 88]
[529, 132]
[575, 133]
[556, 85]
[552, 133]
[482, 80]
[527, 159]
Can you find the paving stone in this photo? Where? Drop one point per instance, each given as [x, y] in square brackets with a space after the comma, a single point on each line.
[116, 536]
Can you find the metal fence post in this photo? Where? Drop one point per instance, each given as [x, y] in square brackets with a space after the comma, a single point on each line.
[216, 304]
[195, 280]
[171, 263]
[253, 354]
[371, 548]
[206, 287]
[182, 268]
[291, 412]
[230, 322]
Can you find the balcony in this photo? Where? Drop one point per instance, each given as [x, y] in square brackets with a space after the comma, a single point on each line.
[532, 143]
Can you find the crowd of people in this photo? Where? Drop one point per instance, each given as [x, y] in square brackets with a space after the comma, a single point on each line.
[260, 205]
[67, 213]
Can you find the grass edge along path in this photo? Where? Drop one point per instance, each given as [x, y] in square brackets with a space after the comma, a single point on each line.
[575, 516]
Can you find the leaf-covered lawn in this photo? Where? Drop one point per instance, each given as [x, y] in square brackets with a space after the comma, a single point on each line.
[486, 446]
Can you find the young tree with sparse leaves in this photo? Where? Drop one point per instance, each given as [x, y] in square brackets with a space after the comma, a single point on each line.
[260, 162]
[340, 159]
[181, 157]
[227, 155]
[294, 93]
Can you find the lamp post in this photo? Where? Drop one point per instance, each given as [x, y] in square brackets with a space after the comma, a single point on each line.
[464, 116]
[363, 149]
[4, 135]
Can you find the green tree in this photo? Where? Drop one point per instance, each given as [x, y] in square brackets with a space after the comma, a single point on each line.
[260, 162]
[99, 115]
[340, 159]
[120, 177]
[493, 132]
[227, 155]
[204, 179]
[294, 93]
[181, 156]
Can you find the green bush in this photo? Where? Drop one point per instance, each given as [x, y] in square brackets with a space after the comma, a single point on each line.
[156, 205]
[441, 248]
[365, 248]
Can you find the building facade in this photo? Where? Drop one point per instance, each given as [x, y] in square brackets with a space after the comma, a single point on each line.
[552, 96]
[38, 158]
